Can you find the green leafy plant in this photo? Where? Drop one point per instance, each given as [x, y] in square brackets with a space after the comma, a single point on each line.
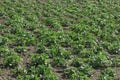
[77, 62]
[79, 76]
[12, 61]
[59, 62]
[40, 69]
[109, 71]
[39, 59]
[86, 69]
[69, 71]
[20, 70]
[107, 74]
[59, 52]
[3, 40]
[4, 51]
[51, 76]
[85, 53]
[41, 48]
[73, 35]
[99, 60]
[114, 48]
[20, 49]
[116, 62]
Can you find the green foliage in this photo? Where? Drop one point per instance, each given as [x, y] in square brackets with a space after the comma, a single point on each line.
[59, 62]
[20, 49]
[3, 40]
[59, 51]
[99, 60]
[109, 71]
[77, 62]
[12, 61]
[86, 69]
[40, 70]
[39, 59]
[41, 48]
[107, 74]
[69, 71]
[50, 77]
[116, 62]
[77, 36]
[114, 48]
[4, 51]
[28, 77]
[79, 76]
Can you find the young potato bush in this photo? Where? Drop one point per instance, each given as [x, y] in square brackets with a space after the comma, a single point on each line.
[77, 62]
[86, 69]
[107, 74]
[116, 62]
[20, 49]
[12, 61]
[79, 76]
[39, 59]
[99, 60]
[59, 39]
[69, 71]
[50, 77]
[59, 62]
[4, 51]
[3, 40]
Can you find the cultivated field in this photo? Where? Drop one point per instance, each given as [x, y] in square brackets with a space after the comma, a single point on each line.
[59, 39]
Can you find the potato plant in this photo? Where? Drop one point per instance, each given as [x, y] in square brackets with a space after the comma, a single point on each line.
[99, 60]
[59, 39]
[12, 61]
[108, 73]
